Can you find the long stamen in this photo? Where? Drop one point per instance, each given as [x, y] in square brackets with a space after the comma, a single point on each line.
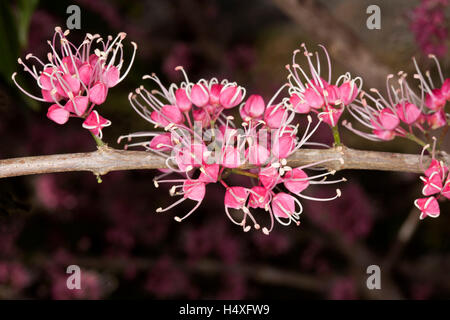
[338, 194]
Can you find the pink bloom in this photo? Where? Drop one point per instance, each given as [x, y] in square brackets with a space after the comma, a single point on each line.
[436, 167]
[435, 175]
[191, 156]
[162, 142]
[310, 92]
[98, 93]
[257, 154]
[231, 157]
[275, 115]
[214, 94]
[348, 92]
[435, 100]
[199, 95]
[254, 106]
[95, 123]
[313, 98]
[58, 114]
[78, 105]
[191, 189]
[194, 190]
[259, 197]
[296, 180]
[299, 104]
[283, 146]
[231, 96]
[432, 184]
[388, 119]
[76, 78]
[283, 206]
[269, 177]
[213, 147]
[209, 173]
[428, 207]
[408, 112]
[331, 116]
[437, 119]
[235, 197]
[182, 100]
[168, 114]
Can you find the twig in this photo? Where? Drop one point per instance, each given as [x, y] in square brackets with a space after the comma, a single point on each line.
[106, 159]
[405, 233]
[259, 273]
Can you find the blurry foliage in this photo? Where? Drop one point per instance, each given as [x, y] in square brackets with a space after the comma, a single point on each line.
[15, 18]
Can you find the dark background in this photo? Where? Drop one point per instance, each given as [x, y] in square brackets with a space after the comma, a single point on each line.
[111, 230]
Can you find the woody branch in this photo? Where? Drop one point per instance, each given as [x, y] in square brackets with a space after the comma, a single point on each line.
[107, 159]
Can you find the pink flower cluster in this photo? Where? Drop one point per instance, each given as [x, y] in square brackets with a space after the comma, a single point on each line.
[428, 23]
[76, 79]
[202, 145]
[436, 184]
[314, 94]
[403, 109]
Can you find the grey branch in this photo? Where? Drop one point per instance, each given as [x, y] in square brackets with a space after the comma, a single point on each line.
[107, 159]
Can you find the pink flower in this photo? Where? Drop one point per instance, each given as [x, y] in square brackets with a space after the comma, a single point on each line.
[269, 177]
[408, 112]
[299, 104]
[182, 100]
[213, 147]
[388, 119]
[428, 207]
[254, 107]
[58, 114]
[422, 111]
[348, 92]
[231, 157]
[283, 206]
[257, 154]
[78, 105]
[95, 123]
[190, 189]
[161, 142]
[231, 96]
[330, 116]
[209, 173]
[76, 78]
[434, 186]
[235, 197]
[283, 146]
[296, 180]
[168, 114]
[309, 92]
[275, 116]
[98, 93]
[199, 95]
[435, 100]
[436, 167]
[437, 119]
[259, 197]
